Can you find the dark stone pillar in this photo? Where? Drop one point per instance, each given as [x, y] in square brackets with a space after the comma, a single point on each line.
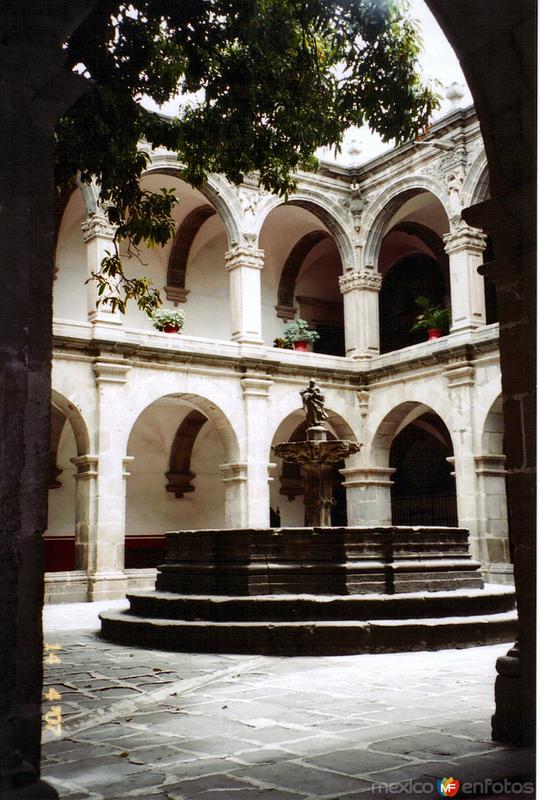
[510, 221]
[34, 90]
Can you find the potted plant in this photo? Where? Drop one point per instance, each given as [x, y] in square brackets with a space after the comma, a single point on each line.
[281, 344]
[168, 320]
[297, 334]
[433, 318]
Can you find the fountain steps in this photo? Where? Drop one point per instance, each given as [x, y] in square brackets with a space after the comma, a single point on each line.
[322, 591]
[321, 637]
[305, 607]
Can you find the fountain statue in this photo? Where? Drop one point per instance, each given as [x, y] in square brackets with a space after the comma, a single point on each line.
[317, 454]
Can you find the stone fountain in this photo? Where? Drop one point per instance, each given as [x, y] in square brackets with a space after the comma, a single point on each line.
[317, 454]
[316, 590]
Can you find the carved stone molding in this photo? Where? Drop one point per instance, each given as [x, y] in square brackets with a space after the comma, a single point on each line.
[460, 375]
[367, 476]
[97, 226]
[111, 371]
[285, 312]
[176, 294]
[239, 256]
[255, 386]
[179, 483]
[464, 238]
[234, 472]
[372, 281]
[492, 465]
[86, 467]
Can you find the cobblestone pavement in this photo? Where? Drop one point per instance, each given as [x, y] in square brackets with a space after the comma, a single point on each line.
[171, 726]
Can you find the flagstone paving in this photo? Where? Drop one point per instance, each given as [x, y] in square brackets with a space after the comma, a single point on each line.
[171, 726]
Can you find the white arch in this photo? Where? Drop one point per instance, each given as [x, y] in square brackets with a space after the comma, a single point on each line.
[78, 424]
[473, 185]
[217, 190]
[381, 210]
[392, 419]
[202, 393]
[326, 209]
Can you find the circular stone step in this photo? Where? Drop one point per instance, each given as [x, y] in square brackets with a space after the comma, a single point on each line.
[336, 637]
[293, 608]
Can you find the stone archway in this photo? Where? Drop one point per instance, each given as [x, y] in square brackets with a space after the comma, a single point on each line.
[178, 447]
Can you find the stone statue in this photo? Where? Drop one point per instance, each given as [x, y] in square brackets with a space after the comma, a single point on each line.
[313, 404]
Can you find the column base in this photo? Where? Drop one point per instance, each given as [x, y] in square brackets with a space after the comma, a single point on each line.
[35, 791]
[509, 722]
[107, 586]
[242, 338]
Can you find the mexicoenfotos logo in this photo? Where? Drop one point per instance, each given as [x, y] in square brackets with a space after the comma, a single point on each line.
[448, 787]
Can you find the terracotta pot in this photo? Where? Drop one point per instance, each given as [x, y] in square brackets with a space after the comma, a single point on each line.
[434, 333]
[170, 329]
[301, 345]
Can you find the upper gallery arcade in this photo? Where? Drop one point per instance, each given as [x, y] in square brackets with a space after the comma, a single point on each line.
[153, 432]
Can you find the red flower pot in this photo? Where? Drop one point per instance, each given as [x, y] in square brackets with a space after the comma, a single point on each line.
[434, 333]
[170, 329]
[301, 345]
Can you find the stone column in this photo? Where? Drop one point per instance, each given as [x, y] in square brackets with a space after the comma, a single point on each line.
[255, 391]
[35, 91]
[235, 482]
[465, 247]
[107, 579]
[369, 498]
[85, 508]
[98, 235]
[360, 292]
[461, 379]
[493, 516]
[244, 265]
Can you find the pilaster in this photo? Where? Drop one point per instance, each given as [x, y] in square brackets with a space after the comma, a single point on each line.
[235, 482]
[465, 247]
[461, 385]
[369, 499]
[85, 509]
[493, 515]
[255, 390]
[98, 236]
[360, 292]
[106, 553]
[244, 265]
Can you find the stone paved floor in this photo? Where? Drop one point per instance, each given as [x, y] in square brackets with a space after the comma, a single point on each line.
[171, 726]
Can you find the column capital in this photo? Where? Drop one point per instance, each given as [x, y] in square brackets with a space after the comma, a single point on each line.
[87, 466]
[111, 370]
[97, 227]
[234, 472]
[459, 375]
[365, 279]
[255, 386]
[367, 476]
[492, 465]
[464, 237]
[243, 256]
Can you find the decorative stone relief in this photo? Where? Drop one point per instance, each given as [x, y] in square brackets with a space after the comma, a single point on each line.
[242, 256]
[97, 226]
[365, 279]
[464, 237]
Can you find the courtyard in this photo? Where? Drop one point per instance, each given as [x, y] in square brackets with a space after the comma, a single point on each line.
[171, 726]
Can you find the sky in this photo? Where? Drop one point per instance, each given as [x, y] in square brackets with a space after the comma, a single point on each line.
[437, 61]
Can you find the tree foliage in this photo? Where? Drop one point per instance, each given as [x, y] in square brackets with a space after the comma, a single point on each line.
[266, 82]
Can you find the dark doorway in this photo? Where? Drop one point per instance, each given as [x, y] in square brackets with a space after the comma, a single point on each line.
[410, 276]
[424, 491]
